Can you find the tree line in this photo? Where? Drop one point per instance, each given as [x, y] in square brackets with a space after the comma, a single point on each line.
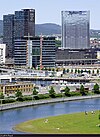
[51, 94]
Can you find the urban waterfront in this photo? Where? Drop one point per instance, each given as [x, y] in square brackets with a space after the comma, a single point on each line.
[9, 118]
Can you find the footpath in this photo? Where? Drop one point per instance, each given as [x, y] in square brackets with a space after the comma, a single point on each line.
[45, 101]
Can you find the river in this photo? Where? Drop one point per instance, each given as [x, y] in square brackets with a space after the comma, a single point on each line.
[9, 118]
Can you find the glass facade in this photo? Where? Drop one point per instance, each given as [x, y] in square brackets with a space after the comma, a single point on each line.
[8, 29]
[24, 23]
[48, 52]
[75, 29]
[20, 48]
[17, 25]
[27, 52]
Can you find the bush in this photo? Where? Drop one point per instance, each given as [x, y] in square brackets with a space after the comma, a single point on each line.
[25, 98]
[36, 97]
[19, 99]
[46, 95]
[8, 101]
[74, 93]
[43, 96]
[59, 95]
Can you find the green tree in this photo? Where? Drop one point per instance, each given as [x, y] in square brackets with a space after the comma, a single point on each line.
[93, 71]
[1, 95]
[67, 70]
[49, 69]
[58, 43]
[82, 90]
[75, 70]
[64, 71]
[96, 89]
[71, 70]
[53, 69]
[19, 95]
[79, 71]
[97, 71]
[52, 92]
[89, 71]
[57, 69]
[35, 92]
[67, 91]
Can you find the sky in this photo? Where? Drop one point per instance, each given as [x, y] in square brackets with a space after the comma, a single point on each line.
[49, 11]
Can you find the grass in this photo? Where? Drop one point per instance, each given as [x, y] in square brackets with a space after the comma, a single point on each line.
[77, 123]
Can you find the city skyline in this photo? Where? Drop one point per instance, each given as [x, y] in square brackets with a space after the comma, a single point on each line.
[50, 11]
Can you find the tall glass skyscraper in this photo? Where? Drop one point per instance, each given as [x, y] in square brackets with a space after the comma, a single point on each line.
[8, 31]
[24, 23]
[75, 29]
[17, 25]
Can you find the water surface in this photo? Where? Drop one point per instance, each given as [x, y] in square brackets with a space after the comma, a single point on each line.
[9, 118]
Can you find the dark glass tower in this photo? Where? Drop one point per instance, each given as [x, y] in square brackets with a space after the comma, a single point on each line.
[24, 23]
[75, 29]
[8, 30]
[21, 24]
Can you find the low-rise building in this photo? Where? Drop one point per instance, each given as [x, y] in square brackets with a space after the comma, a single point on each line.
[76, 56]
[11, 88]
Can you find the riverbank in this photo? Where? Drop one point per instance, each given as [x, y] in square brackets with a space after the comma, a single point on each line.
[46, 101]
[77, 123]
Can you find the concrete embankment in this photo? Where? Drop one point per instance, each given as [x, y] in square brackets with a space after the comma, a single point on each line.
[40, 102]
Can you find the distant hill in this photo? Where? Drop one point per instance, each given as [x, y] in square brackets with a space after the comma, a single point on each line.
[51, 28]
[47, 29]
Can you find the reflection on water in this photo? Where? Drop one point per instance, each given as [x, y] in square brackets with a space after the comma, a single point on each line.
[12, 117]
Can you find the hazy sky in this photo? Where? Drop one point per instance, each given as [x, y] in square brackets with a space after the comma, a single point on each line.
[49, 11]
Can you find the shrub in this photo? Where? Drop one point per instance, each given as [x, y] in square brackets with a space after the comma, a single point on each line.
[19, 99]
[59, 95]
[43, 96]
[75, 93]
[25, 98]
[8, 101]
[36, 97]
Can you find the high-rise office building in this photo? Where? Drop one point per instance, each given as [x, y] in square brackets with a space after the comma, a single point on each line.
[27, 52]
[8, 31]
[75, 29]
[24, 23]
[17, 25]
